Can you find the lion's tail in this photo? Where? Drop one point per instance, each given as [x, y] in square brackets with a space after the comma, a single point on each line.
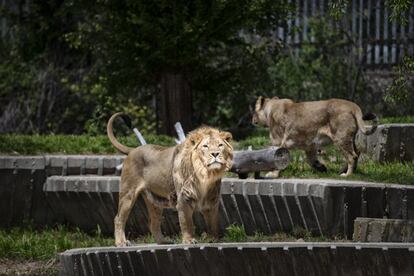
[110, 132]
[367, 117]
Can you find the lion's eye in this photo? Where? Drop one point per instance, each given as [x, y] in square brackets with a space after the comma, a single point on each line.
[205, 146]
[221, 145]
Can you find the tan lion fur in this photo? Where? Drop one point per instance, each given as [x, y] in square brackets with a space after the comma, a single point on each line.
[312, 125]
[186, 177]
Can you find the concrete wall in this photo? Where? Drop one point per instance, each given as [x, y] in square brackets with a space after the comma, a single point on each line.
[390, 142]
[243, 259]
[321, 206]
[50, 189]
[22, 199]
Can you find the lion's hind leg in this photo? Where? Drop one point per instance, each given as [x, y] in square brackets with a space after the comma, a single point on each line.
[154, 221]
[127, 200]
[351, 156]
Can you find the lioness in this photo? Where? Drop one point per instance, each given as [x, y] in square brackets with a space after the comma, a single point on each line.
[311, 125]
[186, 177]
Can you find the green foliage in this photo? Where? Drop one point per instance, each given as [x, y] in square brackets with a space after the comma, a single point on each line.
[140, 41]
[338, 8]
[71, 64]
[235, 233]
[322, 68]
[400, 91]
[399, 10]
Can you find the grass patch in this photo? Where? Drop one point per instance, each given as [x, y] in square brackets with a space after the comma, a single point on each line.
[40, 245]
[29, 244]
[397, 120]
[235, 233]
[368, 170]
[71, 144]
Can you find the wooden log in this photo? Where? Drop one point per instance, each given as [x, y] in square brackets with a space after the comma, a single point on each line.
[269, 159]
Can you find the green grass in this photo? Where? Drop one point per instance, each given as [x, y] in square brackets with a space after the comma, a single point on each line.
[70, 144]
[368, 170]
[28, 244]
[397, 120]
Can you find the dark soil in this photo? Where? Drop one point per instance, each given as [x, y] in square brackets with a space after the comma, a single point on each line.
[24, 267]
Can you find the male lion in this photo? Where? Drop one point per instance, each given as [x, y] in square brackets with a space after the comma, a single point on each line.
[186, 177]
[311, 125]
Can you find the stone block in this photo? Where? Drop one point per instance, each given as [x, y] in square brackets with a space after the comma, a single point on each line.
[383, 230]
[390, 142]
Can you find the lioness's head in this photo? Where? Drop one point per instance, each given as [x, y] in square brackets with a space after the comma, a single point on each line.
[259, 116]
[211, 149]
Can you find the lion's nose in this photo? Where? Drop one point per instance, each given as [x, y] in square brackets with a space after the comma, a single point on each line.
[215, 154]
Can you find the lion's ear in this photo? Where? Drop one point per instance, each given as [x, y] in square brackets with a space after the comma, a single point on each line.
[275, 98]
[195, 138]
[227, 137]
[259, 103]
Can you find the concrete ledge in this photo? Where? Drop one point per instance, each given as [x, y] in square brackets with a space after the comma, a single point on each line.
[323, 207]
[390, 142]
[22, 199]
[383, 230]
[242, 259]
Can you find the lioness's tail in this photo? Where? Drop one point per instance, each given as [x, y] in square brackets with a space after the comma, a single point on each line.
[110, 132]
[367, 117]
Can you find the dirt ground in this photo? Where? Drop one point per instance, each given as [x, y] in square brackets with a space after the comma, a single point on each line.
[16, 267]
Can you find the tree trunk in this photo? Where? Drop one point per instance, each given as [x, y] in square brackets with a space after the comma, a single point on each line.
[175, 103]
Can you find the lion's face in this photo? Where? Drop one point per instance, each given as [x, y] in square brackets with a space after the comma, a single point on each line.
[213, 149]
[213, 152]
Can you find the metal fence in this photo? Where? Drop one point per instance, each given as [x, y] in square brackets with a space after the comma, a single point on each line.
[379, 40]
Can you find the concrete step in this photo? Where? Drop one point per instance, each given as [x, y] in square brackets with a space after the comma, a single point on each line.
[323, 207]
[383, 230]
[242, 259]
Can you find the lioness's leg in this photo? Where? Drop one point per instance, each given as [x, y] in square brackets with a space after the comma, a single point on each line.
[272, 174]
[351, 156]
[312, 159]
[185, 216]
[154, 221]
[127, 200]
[211, 217]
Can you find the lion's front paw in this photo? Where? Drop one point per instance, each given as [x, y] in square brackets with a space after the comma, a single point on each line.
[124, 243]
[189, 241]
[273, 174]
